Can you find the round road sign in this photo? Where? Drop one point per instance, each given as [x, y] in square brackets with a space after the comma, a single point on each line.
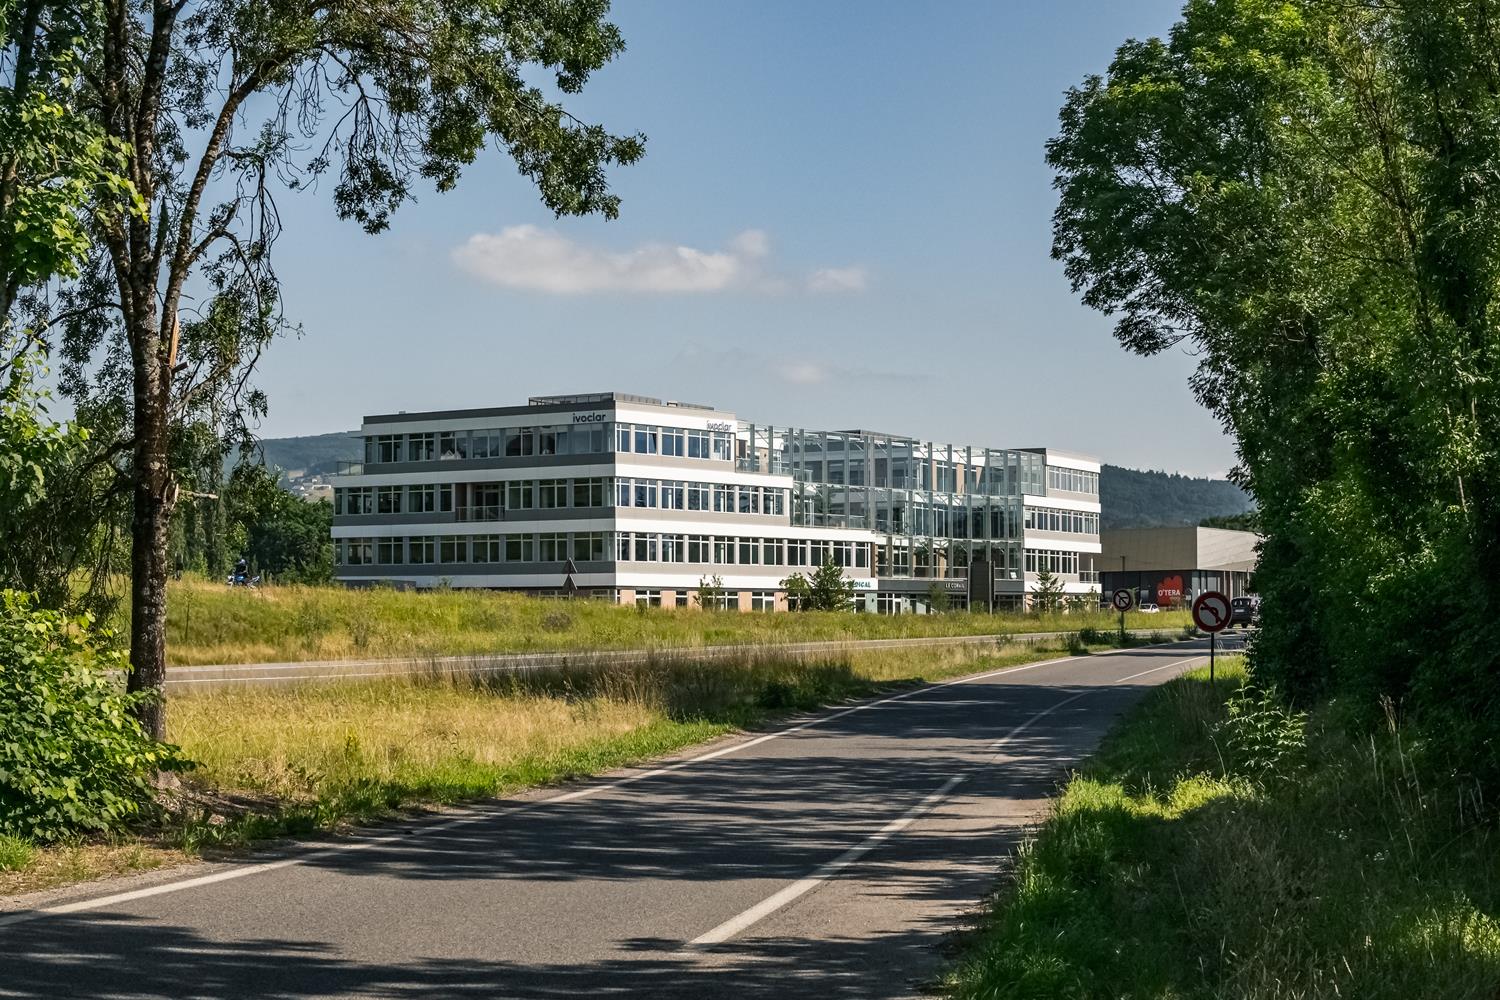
[1211, 611]
[1123, 600]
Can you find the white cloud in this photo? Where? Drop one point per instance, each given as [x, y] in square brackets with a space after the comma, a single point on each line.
[802, 373]
[534, 259]
[837, 279]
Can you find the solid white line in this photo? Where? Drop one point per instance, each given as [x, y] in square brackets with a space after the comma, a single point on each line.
[1153, 670]
[771, 904]
[510, 808]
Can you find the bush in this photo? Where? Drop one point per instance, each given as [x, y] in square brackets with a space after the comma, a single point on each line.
[15, 853]
[72, 757]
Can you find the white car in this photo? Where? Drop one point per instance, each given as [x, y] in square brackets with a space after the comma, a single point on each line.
[1149, 609]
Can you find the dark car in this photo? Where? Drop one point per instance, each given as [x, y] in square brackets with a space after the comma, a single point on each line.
[1244, 611]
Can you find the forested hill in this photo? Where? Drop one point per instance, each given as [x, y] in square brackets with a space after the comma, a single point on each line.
[316, 454]
[1131, 498]
[1134, 499]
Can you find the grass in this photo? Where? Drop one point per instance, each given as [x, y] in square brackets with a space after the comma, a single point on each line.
[296, 760]
[209, 623]
[1263, 857]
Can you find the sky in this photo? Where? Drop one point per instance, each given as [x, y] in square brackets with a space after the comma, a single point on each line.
[842, 220]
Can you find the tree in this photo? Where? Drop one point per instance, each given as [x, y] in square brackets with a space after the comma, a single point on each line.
[1305, 193]
[826, 590]
[937, 598]
[281, 535]
[711, 592]
[1047, 598]
[213, 105]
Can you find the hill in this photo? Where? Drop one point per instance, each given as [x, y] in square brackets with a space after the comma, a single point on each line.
[1134, 499]
[1131, 498]
[314, 454]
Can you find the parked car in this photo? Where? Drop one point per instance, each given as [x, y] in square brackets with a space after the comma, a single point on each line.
[1244, 611]
[1149, 609]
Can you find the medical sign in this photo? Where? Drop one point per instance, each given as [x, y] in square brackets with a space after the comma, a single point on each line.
[1211, 612]
[1123, 600]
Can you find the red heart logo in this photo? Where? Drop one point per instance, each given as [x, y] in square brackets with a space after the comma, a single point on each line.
[1169, 590]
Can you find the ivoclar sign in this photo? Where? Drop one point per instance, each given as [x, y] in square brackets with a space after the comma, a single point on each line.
[590, 418]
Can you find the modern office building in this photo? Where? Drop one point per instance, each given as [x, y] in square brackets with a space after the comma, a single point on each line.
[638, 500]
[1171, 566]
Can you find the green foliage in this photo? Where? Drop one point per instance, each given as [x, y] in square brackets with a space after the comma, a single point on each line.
[284, 536]
[55, 516]
[711, 593]
[15, 853]
[1249, 521]
[826, 590]
[1259, 735]
[1343, 871]
[1307, 193]
[1048, 596]
[72, 758]
[938, 600]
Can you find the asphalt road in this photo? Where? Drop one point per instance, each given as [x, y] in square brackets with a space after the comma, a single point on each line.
[835, 856]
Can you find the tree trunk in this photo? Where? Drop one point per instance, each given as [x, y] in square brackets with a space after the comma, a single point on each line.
[152, 503]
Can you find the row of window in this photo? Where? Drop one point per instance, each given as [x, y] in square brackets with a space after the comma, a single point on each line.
[556, 439]
[760, 600]
[1051, 561]
[484, 501]
[1078, 521]
[597, 546]
[1073, 480]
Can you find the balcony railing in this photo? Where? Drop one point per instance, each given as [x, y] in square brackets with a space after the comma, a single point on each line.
[351, 468]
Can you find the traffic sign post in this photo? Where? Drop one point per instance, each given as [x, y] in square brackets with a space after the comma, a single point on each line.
[1211, 614]
[1122, 600]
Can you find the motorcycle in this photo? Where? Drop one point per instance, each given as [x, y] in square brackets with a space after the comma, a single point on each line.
[241, 580]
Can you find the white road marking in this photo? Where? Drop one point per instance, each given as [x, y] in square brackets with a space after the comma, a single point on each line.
[743, 921]
[771, 904]
[505, 809]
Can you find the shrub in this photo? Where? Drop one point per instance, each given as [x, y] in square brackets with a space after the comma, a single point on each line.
[1260, 736]
[15, 853]
[72, 757]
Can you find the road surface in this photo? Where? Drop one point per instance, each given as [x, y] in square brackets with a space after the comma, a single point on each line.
[834, 856]
[182, 678]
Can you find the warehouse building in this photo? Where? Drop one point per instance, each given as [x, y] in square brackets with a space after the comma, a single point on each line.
[639, 500]
[1170, 566]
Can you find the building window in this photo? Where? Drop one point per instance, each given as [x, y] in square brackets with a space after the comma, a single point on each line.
[552, 493]
[486, 548]
[645, 493]
[645, 440]
[762, 600]
[520, 548]
[723, 499]
[697, 496]
[588, 493]
[673, 495]
[420, 551]
[359, 551]
[749, 552]
[697, 444]
[697, 549]
[648, 598]
[589, 546]
[723, 446]
[520, 495]
[774, 551]
[647, 547]
[388, 499]
[672, 441]
[453, 549]
[724, 551]
[420, 447]
[391, 551]
[673, 548]
[519, 441]
[453, 444]
[388, 447]
[680, 598]
[359, 500]
[552, 547]
[1072, 480]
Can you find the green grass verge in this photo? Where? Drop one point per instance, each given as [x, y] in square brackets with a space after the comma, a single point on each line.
[1267, 856]
[210, 623]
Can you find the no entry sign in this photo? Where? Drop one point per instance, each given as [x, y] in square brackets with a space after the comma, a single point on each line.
[1123, 600]
[1211, 612]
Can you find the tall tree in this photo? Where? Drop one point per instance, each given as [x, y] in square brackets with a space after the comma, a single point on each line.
[1307, 192]
[216, 103]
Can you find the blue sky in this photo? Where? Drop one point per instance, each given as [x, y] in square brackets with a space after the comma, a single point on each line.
[842, 219]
